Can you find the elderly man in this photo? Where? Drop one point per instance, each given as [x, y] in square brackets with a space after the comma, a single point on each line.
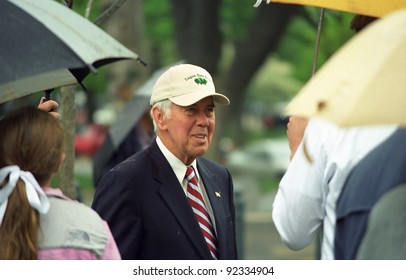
[168, 201]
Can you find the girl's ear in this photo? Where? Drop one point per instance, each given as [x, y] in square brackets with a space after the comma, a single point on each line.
[58, 167]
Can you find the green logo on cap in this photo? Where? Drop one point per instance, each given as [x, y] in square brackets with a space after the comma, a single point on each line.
[200, 81]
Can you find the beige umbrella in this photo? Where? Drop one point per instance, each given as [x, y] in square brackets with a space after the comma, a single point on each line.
[374, 8]
[364, 82]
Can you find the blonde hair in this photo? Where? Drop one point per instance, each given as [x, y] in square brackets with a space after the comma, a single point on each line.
[33, 140]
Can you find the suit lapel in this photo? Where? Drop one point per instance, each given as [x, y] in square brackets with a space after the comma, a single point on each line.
[214, 194]
[174, 197]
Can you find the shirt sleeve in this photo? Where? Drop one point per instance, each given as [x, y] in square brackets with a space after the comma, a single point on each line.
[298, 208]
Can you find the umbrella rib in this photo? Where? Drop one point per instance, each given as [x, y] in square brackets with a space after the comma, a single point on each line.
[316, 50]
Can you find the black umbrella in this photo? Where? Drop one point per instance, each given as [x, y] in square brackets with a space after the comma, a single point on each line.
[45, 45]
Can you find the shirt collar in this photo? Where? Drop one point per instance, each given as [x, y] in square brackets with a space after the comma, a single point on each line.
[177, 166]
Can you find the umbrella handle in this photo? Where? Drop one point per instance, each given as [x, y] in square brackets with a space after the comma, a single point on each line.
[48, 94]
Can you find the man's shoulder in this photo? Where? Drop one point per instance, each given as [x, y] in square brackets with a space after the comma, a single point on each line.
[139, 159]
[209, 162]
[204, 163]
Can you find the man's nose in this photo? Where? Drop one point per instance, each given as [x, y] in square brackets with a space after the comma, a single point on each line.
[202, 119]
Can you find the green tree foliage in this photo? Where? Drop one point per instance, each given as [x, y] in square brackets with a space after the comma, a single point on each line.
[159, 29]
[95, 82]
[235, 19]
[266, 55]
[299, 43]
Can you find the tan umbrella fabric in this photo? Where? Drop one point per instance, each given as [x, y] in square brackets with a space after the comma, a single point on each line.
[375, 8]
[363, 83]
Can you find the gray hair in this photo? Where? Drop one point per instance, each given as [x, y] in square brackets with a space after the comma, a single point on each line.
[165, 106]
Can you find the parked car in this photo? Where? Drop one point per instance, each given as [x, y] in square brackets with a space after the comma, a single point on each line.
[275, 117]
[269, 157]
[88, 141]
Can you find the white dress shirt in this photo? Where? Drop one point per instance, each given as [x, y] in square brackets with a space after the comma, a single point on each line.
[179, 168]
[306, 199]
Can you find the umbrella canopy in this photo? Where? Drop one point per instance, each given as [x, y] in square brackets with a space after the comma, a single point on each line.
[364, 82]
[362, 7]
[367, 8]
[45, 45]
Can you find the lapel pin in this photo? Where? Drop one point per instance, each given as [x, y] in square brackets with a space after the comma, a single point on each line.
[217, 194]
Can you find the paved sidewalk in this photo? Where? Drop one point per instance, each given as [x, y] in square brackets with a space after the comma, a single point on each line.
[261, 240]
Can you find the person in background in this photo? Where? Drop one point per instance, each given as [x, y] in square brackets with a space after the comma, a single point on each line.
[139, 137]
[322, 155]
[37, 221]
[375, 175]
[155, 206]
[384, 238]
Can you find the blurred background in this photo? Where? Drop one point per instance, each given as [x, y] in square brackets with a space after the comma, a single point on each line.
[259, 57]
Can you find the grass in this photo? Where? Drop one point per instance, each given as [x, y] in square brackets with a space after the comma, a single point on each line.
[85, 182]
[268, 185]
[85, 187]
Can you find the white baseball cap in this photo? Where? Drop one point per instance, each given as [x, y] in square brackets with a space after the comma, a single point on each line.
[184, 85]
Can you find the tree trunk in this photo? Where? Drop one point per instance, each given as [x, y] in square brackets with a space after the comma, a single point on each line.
[126, 25]
[263, 37]
[65, 176]
[197, 32]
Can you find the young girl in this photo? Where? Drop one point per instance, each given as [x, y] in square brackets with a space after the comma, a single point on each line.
[36, 221]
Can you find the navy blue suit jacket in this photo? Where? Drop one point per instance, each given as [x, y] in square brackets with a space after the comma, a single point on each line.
[149, 215]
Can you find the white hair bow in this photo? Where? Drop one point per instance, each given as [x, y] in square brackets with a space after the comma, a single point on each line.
[35, 195]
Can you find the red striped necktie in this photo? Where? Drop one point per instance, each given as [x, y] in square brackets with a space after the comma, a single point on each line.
[196, 201]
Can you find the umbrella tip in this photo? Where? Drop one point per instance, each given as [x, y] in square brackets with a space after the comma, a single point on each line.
[141, 61]
[69, 3]
[83, 86]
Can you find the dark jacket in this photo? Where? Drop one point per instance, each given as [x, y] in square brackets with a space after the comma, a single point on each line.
[381, 170]
[149, 215]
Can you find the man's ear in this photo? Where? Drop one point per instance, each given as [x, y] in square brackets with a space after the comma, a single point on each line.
[160, 117]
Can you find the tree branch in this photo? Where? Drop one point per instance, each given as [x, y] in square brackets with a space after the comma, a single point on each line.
[88, 8]
[109, 11]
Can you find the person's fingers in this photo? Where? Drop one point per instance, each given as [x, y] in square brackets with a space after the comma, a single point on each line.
[55, 114]
[49, 106]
